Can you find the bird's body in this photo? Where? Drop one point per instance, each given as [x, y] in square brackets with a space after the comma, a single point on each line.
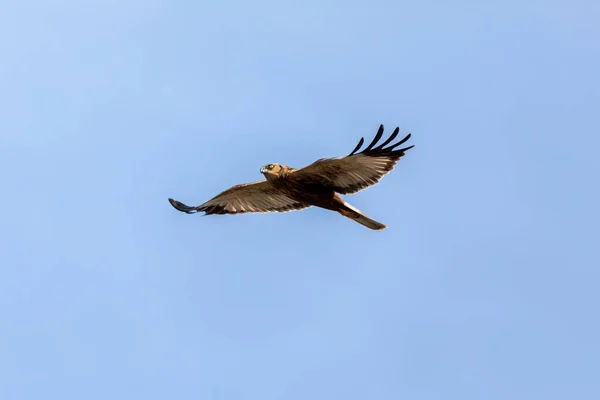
[295, 188]
[318, 184]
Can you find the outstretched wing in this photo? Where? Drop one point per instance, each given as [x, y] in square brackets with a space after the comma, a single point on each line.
[258, 196]
[356, 171]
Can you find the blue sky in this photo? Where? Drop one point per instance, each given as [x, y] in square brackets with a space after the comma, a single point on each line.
[484, 286]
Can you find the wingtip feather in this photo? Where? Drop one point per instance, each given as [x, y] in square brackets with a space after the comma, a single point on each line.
[375, 139]
[182, 207]
[392, 137]
[400, 142]
[381, 148]
[360, 143]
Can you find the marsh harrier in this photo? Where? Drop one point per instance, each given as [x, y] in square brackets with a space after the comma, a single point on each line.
[317, 184]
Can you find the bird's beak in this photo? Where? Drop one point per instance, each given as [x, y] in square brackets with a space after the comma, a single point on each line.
[263, 170]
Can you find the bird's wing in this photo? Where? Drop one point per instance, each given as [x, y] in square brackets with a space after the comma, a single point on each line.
[356, 171]
[258, 196]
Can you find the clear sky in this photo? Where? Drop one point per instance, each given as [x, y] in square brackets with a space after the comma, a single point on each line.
[484, 286]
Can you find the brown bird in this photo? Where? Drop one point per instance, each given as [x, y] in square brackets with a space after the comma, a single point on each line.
[317, 184]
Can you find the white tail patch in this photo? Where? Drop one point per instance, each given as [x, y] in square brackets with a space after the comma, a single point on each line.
[352, 208]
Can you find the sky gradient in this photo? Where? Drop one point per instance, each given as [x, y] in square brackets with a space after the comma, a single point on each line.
[484, 286]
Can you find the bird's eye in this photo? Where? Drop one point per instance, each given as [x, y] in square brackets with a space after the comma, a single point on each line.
[270, 166]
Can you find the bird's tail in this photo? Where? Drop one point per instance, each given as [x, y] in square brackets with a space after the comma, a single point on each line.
[350, 212]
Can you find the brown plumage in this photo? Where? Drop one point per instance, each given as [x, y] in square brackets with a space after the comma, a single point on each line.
[317, 184]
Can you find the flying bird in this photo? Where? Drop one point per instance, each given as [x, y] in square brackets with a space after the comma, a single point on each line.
[318, 184]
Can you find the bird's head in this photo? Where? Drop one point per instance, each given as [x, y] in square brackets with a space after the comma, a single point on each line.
[273, 171]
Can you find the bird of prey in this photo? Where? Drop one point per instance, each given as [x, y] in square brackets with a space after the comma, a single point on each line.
[318, 184]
